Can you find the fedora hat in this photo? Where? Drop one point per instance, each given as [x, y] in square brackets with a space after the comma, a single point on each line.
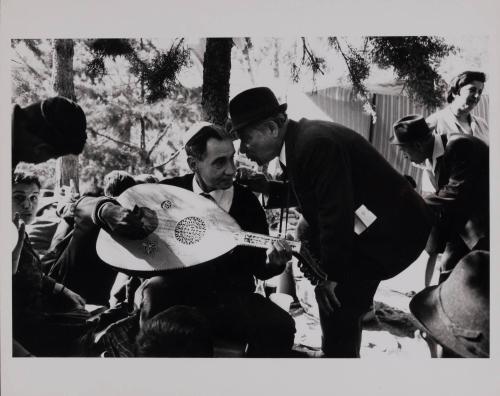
[456, 312]
[409, 129]
[253, 105]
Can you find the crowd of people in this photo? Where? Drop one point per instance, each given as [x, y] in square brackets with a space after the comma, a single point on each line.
[363, 221]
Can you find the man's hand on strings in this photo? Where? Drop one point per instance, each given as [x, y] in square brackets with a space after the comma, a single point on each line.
[279, 254]
[124, 222]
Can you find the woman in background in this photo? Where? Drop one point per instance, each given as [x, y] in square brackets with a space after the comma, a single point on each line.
[463, 96]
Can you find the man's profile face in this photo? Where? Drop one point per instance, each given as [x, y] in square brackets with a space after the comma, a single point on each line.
[25, 201]
[217, 169]
[412, 152]
[258, 144]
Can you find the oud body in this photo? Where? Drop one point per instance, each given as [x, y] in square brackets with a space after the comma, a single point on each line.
[186, 229]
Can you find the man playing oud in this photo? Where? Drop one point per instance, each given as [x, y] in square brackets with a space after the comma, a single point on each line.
[223, 288]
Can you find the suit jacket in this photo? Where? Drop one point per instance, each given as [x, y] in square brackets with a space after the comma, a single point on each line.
[333, 171]
[461, 203]
[233, 272]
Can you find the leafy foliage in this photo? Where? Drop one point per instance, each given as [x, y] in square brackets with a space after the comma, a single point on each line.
[157, 69]
[415, 61]
[137, 111]
[359, 70]
[315, 63]
[115, 103]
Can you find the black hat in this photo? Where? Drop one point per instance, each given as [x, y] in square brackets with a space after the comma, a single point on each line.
[456, 312]
[60, 122]
[253, 105]
[409, 129]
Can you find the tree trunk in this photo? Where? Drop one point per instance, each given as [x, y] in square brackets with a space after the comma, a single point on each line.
[216, 73]
[62, 84]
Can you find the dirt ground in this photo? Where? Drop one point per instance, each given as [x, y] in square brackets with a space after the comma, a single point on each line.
[390, 333]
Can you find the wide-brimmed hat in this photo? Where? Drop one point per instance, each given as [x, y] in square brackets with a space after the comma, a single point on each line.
[409, 129]
[253, 105]
[456, 312]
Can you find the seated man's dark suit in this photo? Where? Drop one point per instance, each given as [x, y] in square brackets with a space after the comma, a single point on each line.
[461, 203]
[223, 288]
[333, 171]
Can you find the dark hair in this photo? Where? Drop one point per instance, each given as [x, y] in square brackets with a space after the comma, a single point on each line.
[178, 331]
[197, 146]
[461, 80]
[145, 178]
[116, 182]
[20, 177]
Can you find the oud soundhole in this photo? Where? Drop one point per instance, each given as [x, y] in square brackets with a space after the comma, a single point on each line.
[190, 230]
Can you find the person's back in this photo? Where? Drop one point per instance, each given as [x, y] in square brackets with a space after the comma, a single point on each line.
[373, 183]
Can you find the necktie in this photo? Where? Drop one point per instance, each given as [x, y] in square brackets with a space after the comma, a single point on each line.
[283, 168]
[208, 196]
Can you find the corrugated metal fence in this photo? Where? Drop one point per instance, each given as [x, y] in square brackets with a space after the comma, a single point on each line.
[342, 107]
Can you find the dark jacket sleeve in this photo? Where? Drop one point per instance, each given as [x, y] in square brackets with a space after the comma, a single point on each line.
[454, 197]
[80, 254]
[326, 169]
[47, 284]
[254, 220]
[280, 195]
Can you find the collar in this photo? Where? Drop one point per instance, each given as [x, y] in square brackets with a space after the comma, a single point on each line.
[437, 152]
[223, 198]
[282, 156]
[454, 120]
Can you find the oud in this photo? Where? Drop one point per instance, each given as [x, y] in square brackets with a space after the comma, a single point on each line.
[185, 230]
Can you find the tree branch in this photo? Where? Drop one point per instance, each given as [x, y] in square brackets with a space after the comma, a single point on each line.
[170, 159]
[160, 137]
[30, 68]
[113, 139]
[310, 55]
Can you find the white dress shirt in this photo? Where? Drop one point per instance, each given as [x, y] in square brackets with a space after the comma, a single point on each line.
[223, 198]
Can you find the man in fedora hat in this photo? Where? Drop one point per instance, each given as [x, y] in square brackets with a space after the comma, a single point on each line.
[224, 288]
[456, 313]
[458, 167]
[366, 221]
[47, 129]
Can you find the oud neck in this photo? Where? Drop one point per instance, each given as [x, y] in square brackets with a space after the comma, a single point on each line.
[261, 240]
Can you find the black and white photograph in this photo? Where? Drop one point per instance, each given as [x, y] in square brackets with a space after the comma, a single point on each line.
[210, 204]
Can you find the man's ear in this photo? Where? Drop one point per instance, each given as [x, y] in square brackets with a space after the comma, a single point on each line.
[273, 128]
[192, 163]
